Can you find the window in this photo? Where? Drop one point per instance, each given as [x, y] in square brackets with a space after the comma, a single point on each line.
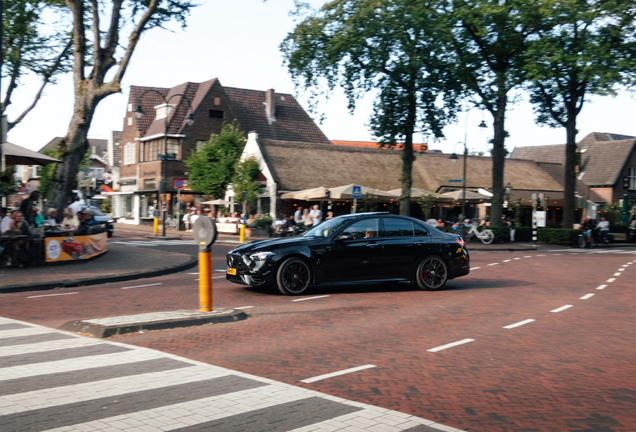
[129, 153]
[149, 184]
[631, 178]
[394, 227]
[129, 121]
[218, 114]
[98, 173]
[141, 152]
[366, 228]
[173, 148]
[200, 144]
[217, 101]
[419, 230]
[163, 110]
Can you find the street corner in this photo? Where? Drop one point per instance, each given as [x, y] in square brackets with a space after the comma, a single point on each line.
[106, 327]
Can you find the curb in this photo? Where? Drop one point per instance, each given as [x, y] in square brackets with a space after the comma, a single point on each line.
[100, 280]
[104, 331]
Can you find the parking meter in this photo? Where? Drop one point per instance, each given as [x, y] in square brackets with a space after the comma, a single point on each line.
[204, 231]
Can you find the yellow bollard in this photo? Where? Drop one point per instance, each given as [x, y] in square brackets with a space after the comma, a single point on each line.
[242, 233]
[205, 282]
[156, 225]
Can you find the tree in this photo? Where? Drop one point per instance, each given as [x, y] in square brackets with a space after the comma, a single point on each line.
[246, 180]
[95, 53]
[590, 50]
[212, 167]
[46, 172]
[7, 182]
[391, 47]
[31, 47]
[489, 40]
[426, 202]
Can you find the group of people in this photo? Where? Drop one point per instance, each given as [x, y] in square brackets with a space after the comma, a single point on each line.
[603, 226]
[191, 217]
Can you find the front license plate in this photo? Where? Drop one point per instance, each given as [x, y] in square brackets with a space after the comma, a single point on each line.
[231, 271]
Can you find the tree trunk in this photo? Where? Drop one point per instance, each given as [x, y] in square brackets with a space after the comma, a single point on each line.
[407, 159]
[72, 149]
[569, 204]
[498, 161]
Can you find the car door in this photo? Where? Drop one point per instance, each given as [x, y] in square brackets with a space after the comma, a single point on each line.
[355, 258]
[404, 243]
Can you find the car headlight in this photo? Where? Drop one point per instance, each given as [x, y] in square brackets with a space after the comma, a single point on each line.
[111, 221]
[261, 256]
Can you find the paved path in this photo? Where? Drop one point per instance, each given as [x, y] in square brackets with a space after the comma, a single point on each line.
[57, 381]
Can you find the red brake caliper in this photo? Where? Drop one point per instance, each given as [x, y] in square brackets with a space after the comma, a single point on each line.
[425, 275]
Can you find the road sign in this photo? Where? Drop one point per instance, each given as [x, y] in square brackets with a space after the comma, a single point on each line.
[357, 192]
[178, 183]
[456, 181]
[540, 218]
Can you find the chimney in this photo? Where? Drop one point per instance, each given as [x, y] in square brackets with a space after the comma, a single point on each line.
[270, 105]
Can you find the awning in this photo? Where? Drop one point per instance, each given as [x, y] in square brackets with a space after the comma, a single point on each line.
[339, 193]
[16, 155]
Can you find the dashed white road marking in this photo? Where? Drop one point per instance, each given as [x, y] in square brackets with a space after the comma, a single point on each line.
[610, 280]
[617, 274]
[218, 277]
[541, 255]
[557, 254]
[562, 308]
[244, 307]
[311, 298]
[517, 258]
[475, 268]
[494, 264]
[141, 286]
[586, 296]
[602, 287]
[194, 273]
[621, 269]
[333, 374]
[450, 345]
[626, 265]
[520, 323]
[51, 295]
[507, 260]
[528, 256]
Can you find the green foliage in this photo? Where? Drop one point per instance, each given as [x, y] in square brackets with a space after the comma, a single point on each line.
[106, 205]
[7, 185]
[246, 180]
[46, 172]
[264, 221]
[426, 202]
[212, 168]
[611, 213]
[559, 236]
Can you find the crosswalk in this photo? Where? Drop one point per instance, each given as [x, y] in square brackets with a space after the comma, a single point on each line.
[57, 381]
[597, 251]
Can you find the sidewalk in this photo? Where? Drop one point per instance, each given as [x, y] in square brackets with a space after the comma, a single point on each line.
[146, 231]
[119, 263]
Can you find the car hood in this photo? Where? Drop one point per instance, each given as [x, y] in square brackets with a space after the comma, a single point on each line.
[262, 245]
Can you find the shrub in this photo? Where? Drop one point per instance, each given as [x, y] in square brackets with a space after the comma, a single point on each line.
[559, 236]
[263, 222]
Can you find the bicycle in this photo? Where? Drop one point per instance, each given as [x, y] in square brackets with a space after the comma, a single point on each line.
[486, 235]
[173, 224]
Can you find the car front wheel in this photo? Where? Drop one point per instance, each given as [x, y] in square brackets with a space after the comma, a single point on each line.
[432, 273]
[293, 277]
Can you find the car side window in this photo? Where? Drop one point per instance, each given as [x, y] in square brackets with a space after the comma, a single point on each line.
[366, 228]
[419, 230]
[394, 227]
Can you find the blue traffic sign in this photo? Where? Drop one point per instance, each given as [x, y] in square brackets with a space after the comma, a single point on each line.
[178, 184]
[456, 181]
[357, 192]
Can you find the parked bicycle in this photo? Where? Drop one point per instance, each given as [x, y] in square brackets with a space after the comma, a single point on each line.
[486, 236]
[171, 223]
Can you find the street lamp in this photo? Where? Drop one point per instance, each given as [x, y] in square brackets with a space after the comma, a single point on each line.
[453, 157]
[139, 112]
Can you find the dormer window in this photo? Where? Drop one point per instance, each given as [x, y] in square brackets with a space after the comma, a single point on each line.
[163, 111]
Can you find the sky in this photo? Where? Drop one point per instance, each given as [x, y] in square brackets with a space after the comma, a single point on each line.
[238, 42]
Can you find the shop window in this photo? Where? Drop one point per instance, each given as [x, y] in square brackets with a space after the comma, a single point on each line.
[150, 184]
[631, 178]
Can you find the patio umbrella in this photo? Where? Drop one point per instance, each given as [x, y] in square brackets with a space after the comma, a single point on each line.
[338, 193]
[305, 194]
[16, 155]
[217, 202]
[471, 196]
[416, 194]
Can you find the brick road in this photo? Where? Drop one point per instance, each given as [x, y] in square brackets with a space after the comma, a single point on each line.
[569, 370]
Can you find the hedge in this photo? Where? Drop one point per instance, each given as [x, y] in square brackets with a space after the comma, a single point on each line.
[559, 236]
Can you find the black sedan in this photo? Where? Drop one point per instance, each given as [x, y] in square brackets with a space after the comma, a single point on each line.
[356, 247]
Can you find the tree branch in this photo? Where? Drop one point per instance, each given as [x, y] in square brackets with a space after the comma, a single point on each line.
[97, 45]
[79, 40]
[15, 73]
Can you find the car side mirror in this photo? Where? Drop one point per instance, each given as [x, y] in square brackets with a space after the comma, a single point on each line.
[345, 236]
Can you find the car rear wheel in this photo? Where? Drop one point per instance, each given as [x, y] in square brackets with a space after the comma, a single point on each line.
[293, 277]
[432, 273]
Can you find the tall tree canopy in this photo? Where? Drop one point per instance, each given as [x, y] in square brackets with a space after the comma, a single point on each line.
[212, 167]
[392, 47]
[97, 48]
[590, 50]
[489, 40]
[246, 180]
[32, 47]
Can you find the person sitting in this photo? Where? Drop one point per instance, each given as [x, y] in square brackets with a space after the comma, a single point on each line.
[5, 220]
[38, 219]
[70, 219]
[17, 227]
[250, 221]
[369, 233]
[86, 222]
[604, 227]
[50, 219]
[279, 224]
[586, 226]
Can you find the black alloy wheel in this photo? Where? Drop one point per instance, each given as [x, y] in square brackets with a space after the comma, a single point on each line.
[432, 273]
[293, 277]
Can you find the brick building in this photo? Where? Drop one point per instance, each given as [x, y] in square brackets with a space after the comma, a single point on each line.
[270, 114]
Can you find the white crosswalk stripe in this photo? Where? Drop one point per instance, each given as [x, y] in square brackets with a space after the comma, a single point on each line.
[60, 389]
[150, 243]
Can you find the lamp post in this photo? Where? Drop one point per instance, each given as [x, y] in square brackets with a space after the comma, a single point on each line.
[139, 112]
[454, 158]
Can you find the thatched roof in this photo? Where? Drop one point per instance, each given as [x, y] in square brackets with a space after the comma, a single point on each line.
[296, 166]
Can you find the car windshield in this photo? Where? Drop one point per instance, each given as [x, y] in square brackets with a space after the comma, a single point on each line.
[95, 211]
[327, 228]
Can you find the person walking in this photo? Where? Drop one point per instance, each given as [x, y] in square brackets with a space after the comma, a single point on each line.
[512, 226]
[316, 215]
[298, 215]
[26, 207]
[76, 206]
[306, 219]
[186, 221]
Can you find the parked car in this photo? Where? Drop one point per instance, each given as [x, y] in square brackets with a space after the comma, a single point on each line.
[103, 219]
[356, 247]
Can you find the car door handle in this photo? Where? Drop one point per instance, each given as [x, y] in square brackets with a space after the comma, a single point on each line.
[372, 245]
